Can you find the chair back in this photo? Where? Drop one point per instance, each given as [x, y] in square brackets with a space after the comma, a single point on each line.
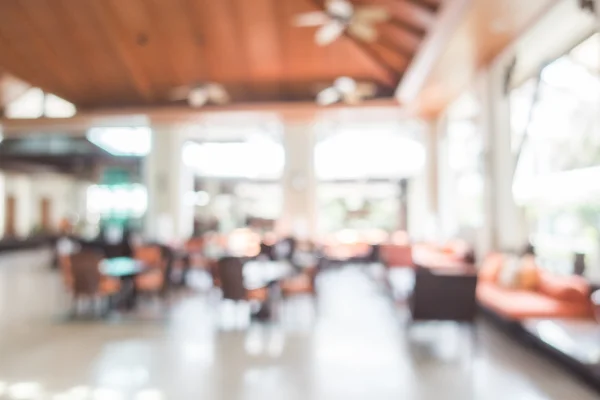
[150, 255]
[230, 271]
[194, 245]
[85, 273]
[443, 296]
[393, 255]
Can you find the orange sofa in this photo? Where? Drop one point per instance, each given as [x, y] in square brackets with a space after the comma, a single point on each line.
[550, 296]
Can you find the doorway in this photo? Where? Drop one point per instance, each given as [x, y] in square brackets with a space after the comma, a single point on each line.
[10, 229]
[45, 210]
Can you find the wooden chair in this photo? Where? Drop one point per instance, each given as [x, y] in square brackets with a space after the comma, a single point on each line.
[153, 281]
[303, 283]
[87, 281]
[194, 248]
[230, 270]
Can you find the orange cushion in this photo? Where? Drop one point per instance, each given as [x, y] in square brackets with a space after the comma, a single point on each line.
[151, 281]
[523, 304]
[109, 286]
[529, 274]
[566, 288]
[492, 265]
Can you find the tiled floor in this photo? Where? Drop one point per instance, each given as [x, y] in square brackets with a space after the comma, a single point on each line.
[355, 347]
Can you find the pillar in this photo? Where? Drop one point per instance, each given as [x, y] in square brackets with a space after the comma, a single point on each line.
[423, 194]
[299, 182]
[170, 185]
[504, 221]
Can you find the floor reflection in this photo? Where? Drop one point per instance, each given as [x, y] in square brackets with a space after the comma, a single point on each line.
[350, 343]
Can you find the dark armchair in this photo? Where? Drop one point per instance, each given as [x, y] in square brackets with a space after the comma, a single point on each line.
[443, 296]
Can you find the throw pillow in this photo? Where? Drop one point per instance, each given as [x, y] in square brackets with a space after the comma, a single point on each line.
[492, 265]
[529, 276]
[509, 275]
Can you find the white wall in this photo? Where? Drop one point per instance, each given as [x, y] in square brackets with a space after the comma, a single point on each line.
[66, 195]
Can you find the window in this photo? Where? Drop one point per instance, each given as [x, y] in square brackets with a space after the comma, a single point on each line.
[374, 153]
[359, 168]
[256, 158]
[34, 103]
[121, 201]
[461, 170]
[122, 141]
[557, 178]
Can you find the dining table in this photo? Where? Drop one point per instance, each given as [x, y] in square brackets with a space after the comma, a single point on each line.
[125, 269]
[266, 273]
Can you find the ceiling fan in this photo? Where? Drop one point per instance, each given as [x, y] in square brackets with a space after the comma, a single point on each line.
[199, 95]
[346, 90]
[341, 16]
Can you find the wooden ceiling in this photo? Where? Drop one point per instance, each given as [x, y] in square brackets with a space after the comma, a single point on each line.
[481, 31]
[106, 53]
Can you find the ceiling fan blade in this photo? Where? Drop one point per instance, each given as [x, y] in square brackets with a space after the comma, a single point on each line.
[328, 33]
[345, 85]
[179, 93]
[217, 94]
[316, 18]
[342, 9]
[363, 31]
[328, 96]
[371, 14]
[198, 97]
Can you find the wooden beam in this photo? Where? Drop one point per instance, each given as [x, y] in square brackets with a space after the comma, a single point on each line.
[114, 32]
[449, 18]
[407, 13]
[81, 122]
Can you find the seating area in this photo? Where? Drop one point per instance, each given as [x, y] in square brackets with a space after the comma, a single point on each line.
[299, 199]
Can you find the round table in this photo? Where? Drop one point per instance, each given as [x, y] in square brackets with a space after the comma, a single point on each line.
[125, 269]
[259, 274]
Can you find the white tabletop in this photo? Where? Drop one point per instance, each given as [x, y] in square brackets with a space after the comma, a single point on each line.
[260, 273]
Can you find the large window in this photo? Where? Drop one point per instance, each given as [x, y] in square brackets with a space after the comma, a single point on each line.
[359, 168]
[557, 141]
[256, 158]
[461, 170]
[34, 103]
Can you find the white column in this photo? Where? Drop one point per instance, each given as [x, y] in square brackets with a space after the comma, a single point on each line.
[170, 214]
[299, 182]
[504, 220]
[423, 190]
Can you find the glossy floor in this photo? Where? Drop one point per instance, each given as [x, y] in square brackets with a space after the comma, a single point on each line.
[351, 345]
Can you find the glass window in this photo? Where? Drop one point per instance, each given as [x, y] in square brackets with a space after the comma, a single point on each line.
[55, 107]
[34, 103]
[372, 153]
[559, 161]
[122, 141]
[29, 105]
[257, 158]
[359, 167]
[117, 201]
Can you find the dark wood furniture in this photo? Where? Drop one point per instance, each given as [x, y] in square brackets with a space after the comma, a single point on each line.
[87, 279]
[252, 280]
[443, 295]
[126, 270]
